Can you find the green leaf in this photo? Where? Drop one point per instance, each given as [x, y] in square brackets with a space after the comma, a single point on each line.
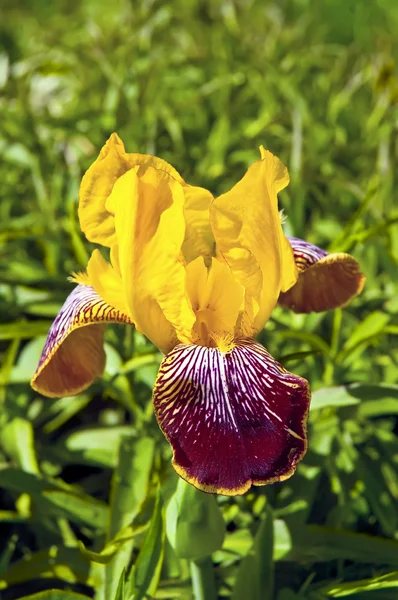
[194, 515]
[297, 356]
[18, 442]
[237, 543]
[371, 326]
[56, 563]
[130, 484]
[78, 508]
[383, 505]
[376, 400]
[255, 578]
[313, 339]
[332, 396]
[108, 552]
[63, 409]
[318, 544]
[137, 362]
[130, 488]
[98, 445]
[56, 497]
[143, 579]
[27, 361]
[373, 399]
[24, 329]
[340, 590]
[202, 578]
[8, 549]
[55, 595]
[121, 588]
[19, 481]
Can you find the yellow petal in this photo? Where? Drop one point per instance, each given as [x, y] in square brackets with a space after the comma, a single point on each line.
[114, 257]
[280, 174]
[248, 233]
[95, 221]
[199, 240]
[281, 180]
[217, 299]
[150, 232]
[147, 160]
[107, 282]
[289, 267]
[73, 355]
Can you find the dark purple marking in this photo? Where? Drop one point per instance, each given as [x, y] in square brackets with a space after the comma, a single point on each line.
[232, 418]
[305, 254]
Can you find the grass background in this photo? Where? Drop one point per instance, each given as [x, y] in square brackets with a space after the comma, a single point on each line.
[84, 481]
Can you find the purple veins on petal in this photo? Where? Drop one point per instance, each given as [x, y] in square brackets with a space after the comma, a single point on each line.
[73, 355]
[233, 418]
[305, 254]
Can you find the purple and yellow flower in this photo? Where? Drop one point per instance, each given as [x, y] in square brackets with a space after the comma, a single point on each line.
[199, 276]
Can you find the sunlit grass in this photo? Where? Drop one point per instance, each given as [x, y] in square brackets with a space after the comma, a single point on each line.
[84, 481]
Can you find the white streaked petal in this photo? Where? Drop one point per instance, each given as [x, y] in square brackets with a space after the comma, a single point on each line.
[233, 418]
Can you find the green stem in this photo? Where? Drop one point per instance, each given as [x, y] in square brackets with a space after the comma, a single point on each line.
[334, 346]
[202, 575]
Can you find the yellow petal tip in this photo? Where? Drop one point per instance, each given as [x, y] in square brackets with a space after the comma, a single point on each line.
[114, 142]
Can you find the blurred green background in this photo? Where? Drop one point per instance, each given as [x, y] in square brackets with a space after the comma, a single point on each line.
[86, 482]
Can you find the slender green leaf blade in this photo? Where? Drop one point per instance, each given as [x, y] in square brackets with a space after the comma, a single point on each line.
[255, 578]
[142, 581]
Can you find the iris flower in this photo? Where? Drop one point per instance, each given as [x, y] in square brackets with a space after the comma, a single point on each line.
[199, 276]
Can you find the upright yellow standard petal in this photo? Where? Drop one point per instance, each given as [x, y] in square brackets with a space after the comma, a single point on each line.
[289, 268]
[148, 206]
[113, 161]
[217, 299]
[199, 240]
[248, 233]
[95, 221]
[147, 160]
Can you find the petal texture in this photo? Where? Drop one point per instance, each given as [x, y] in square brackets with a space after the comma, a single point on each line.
[96, 222]
[199, 240]
[233, 418]
[73, 355]
[248, 233]
[217, 299]
[325, 281]
[150, 229]
[106, 281]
